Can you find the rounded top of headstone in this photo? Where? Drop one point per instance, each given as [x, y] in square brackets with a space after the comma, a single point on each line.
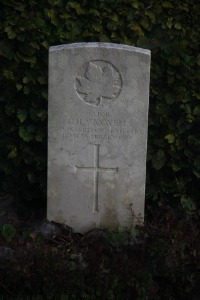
[100, 45]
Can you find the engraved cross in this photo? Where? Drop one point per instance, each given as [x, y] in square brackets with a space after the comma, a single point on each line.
[96, 169]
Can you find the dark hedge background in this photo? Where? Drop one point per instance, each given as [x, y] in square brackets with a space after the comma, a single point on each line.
[160, 260]
[170, 29]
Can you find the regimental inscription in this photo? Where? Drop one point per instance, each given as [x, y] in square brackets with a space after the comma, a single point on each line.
[96, 169]
[95, 128]
[98, 82]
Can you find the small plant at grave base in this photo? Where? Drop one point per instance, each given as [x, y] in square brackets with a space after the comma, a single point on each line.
[137, 219]
[8, 232]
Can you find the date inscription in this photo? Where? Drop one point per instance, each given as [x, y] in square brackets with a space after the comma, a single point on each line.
[95, 128]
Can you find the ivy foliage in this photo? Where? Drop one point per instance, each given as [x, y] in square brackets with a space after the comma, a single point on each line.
[170, 29]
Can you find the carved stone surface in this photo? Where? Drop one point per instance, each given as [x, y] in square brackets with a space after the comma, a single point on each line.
[98, 111]
[96, 169]
[97, 81]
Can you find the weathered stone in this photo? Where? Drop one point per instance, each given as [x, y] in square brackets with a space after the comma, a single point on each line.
[98, 110]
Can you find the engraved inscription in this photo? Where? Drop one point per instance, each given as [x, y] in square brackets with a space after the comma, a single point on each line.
[95, 130]
[98, 81]
[96, 169]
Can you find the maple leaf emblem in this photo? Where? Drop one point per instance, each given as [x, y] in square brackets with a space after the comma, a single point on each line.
[99, 80]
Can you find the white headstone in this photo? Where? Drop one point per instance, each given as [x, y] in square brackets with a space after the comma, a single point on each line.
[98, 112]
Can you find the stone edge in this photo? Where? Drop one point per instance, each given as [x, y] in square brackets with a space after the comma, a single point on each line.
[100, 45]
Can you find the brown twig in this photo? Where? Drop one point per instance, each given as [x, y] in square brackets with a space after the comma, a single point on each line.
[5, 288]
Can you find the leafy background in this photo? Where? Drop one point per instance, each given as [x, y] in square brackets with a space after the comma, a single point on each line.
[162, 259]
[170, 29]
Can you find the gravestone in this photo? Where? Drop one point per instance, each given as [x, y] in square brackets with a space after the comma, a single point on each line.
[97, 135]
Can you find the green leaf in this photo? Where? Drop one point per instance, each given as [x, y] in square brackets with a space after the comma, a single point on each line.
[11, 34]
[8, 74]
[166, 4]
[19, 86]
[8, 232]
[72, 4]
[170, 22]
[197, 161]
[145, 24]
[45, 44]
[22, 115]
[151, 15]
[170, 98]
[35, 45]
[174, 60]
[159, 159]
[135, 4]
[181, 90]
[188, 203]
[12, 153]
[42, 80]
[65, 16]
[53, 17]
[170, 138]
[197, 174]
[97, 27]
[178, 26]
[26, 80]
[176, 167]
[25, 134]
[30, 59]
[20, 7]
[94, 12]
[135, 27]
[80, 10]
[197, 95]
[39, 21]
[196, 111]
